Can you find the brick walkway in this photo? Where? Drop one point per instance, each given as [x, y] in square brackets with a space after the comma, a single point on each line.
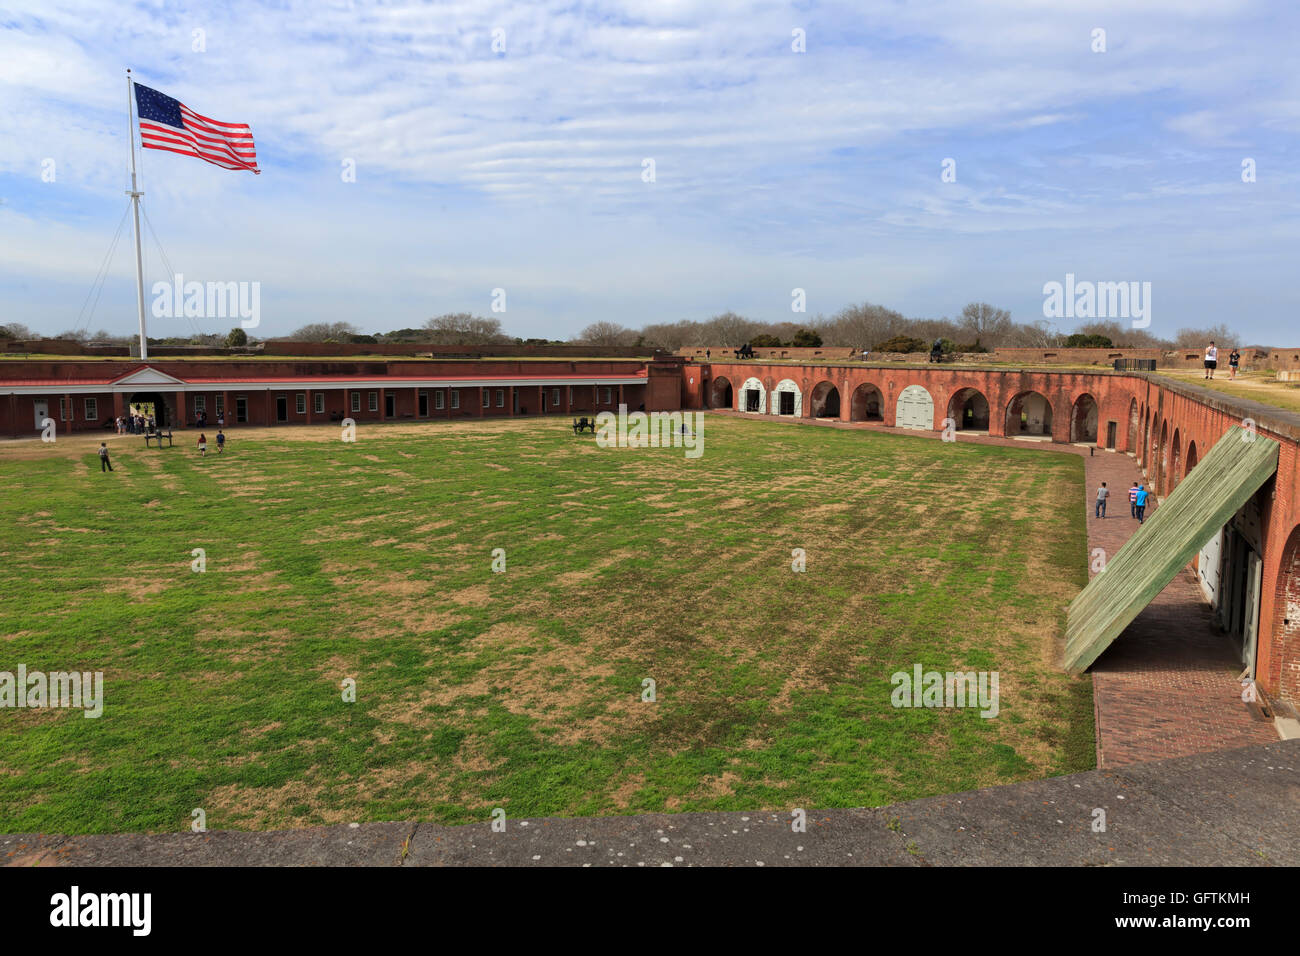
[1167, 687]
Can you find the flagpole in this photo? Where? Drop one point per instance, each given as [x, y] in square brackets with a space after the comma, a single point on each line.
[135, 195]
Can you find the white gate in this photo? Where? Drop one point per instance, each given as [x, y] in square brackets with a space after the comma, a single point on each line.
[915, 409]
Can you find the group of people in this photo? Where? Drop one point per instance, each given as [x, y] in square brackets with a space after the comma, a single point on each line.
[106, 465]
[1212, 361]
[1138, 496]
[134, 424]
[201, 420]
[203, 443]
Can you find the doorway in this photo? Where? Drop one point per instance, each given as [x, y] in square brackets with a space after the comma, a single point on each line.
[151, 403]
[281, 408]
[42, 412]
[390, 405]
[241, 409]
[424, 404]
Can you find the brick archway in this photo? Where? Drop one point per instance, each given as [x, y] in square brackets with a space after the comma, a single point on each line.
[721, 394]
[1286, 620]
[1029, 413]
[824, 400]
[969, 409]
[867, 404]
[1162, 460]
[1084, 414]
[1175, 475]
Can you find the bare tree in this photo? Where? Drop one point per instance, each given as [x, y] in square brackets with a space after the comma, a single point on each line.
[983, 323]
[16, 330]
[461, 328]
[323, 332]
[862, 326]
[728, 330]
[670, 336]
[607, 334]
[1198, 338]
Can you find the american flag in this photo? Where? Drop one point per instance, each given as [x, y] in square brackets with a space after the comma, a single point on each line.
[169, 124]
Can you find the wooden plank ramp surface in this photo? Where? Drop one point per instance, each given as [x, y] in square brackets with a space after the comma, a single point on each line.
[1204, 501]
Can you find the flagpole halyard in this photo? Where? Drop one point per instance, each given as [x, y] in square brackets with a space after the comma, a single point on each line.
[135, 195]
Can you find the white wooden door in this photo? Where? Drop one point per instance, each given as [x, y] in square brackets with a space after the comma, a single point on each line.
[915, 409]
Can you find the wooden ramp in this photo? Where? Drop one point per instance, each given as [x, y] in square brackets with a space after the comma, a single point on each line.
[1224, 480]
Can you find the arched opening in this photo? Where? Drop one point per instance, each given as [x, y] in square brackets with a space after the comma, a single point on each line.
[721, 396]
[753, 396]
[1083, 419]
[1145, 455]
[969, 409]
[1191, 459]
[1174, 475]
[787, 398]
[150, 403]
[1134, 425]
[1286, 613]
[1029, 413]
[1162, 459]
[825, 401]
[915, 409]
[867, 404]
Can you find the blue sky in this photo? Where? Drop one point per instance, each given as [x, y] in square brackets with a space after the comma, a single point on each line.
[522, 170]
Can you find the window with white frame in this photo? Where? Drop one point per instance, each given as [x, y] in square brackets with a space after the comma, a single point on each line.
[356, 401]
[487, 400]
[609, 395]
[501, 398]
[555, 396]
[455, 398]
[219, 402]
[301, 403]
[439, 399]
[318, 403]
[200, 403]
[63, 409]
[92, 409]
[374, 401]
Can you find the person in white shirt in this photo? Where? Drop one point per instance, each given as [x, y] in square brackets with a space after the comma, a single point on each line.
[1211, 360]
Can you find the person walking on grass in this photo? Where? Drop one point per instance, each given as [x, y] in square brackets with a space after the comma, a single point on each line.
[1141, 503]
[221, 441]
[1211, 360]
[1102, 494]
[1234, 359]
[203, 445]
[1132, 501]
[104, 463]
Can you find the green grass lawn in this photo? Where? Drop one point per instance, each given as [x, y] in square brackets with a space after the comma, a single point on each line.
[523, 689]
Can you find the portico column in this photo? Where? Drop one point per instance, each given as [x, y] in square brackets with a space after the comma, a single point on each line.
[307, 404]
[383, 406]
[226, 414]
[180, 406]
